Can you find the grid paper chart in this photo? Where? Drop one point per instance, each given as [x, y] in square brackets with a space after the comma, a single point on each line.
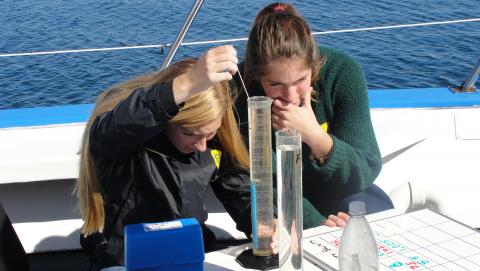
[421, 240]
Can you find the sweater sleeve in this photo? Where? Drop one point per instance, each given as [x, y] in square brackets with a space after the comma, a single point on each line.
[355, 161]
[311, 216]
[141, 116]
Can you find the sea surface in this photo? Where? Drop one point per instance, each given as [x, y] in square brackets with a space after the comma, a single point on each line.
[424, 56]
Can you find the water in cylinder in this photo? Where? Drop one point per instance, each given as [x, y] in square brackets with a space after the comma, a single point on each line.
[260, 146]
[289, 199]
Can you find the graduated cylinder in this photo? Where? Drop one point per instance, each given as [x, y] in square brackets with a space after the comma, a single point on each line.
[260, 144]
[289, 199]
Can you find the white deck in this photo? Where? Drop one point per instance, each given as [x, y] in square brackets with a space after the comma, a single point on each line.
[440, 169]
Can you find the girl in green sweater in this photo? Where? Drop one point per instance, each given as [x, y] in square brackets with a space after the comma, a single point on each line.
[323, 94]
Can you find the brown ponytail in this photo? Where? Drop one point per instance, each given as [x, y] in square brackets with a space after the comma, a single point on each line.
[279, 32]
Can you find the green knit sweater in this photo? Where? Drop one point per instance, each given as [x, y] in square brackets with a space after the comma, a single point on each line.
[341, 103]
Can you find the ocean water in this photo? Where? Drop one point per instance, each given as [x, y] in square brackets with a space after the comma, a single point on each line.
[425, 56]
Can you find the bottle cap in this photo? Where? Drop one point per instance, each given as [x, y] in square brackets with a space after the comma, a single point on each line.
[356, 208]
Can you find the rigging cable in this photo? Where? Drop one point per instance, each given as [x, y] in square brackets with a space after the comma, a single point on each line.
[161, 46]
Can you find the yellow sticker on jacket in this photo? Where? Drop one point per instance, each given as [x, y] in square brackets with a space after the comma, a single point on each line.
[324, 127]
[217, 155]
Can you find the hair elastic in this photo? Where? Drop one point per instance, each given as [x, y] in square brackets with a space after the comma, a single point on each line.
[279, 9]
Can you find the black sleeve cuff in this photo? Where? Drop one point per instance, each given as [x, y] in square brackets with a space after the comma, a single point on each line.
[163, 99]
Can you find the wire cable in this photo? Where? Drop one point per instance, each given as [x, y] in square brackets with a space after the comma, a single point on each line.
[234, 39]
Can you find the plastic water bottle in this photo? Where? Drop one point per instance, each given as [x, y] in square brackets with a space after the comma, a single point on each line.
[358, 248]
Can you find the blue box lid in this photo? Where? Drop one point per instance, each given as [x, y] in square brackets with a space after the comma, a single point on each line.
[175, 242]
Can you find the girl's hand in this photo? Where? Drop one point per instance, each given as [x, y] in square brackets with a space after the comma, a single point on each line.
[289, 116]
[274, 243]
[302, 118]
[216, 65]
[339, 220]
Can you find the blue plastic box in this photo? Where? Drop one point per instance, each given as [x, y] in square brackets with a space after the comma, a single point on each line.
[175, 246]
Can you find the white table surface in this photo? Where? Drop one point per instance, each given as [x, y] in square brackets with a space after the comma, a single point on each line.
[224, 260]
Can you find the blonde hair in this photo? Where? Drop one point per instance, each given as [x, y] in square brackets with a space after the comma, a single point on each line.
[279, 32]
[200, 109]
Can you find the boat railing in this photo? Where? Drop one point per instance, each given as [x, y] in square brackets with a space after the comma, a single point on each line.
[231, 40]
[469, 84]
[181, 35]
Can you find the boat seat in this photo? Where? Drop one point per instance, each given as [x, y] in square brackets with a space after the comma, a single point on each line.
[219, 221]
[12, 254]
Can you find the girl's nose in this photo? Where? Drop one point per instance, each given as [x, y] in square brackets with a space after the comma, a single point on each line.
[290, 94]
[201, 144]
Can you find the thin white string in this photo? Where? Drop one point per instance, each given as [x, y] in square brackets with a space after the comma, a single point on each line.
[234, 39]
[243, 84]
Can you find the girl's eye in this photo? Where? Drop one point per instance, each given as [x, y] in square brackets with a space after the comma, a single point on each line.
[300, 81]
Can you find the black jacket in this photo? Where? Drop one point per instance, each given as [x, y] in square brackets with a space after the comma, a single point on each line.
[144, 178]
